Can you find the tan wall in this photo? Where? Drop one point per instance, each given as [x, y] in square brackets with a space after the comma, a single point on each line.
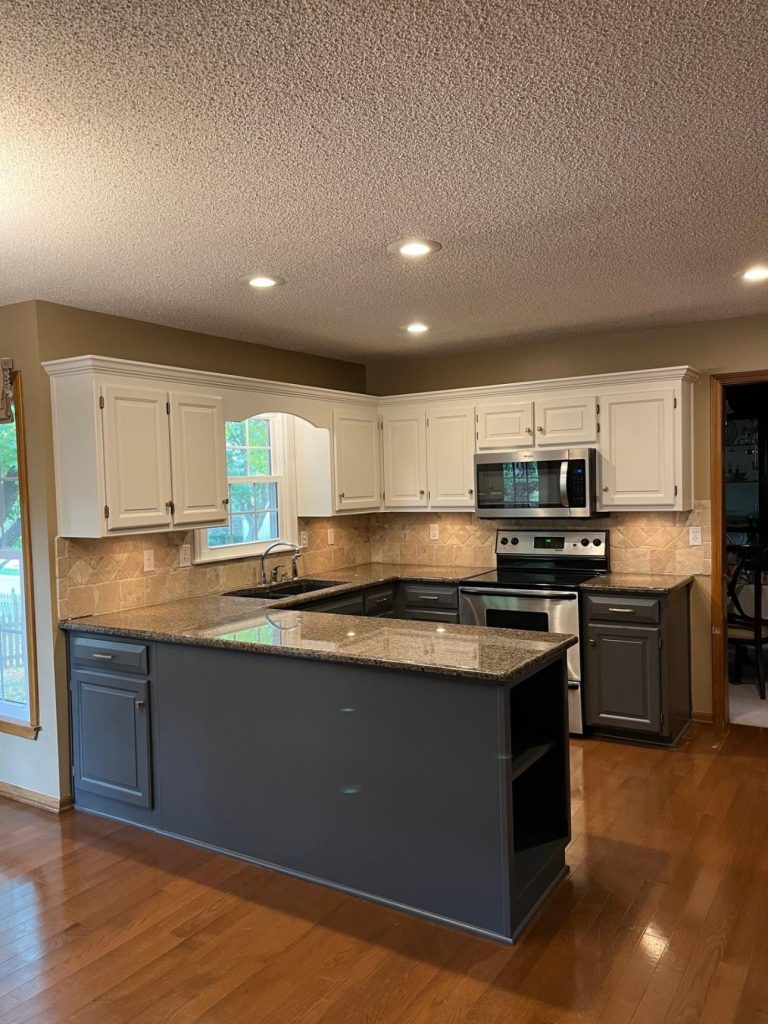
[39, 765]
[720, 346]
[66, 331]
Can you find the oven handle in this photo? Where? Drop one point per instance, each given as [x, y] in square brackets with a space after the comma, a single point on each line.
[498, 592]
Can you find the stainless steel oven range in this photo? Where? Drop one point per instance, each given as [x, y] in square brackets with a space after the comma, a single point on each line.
[536, 586]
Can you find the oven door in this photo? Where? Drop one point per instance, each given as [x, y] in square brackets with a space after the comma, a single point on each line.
[529, 484]
[544, 611]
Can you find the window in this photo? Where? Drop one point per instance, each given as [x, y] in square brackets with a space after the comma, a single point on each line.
[261, 490]
[18, 672]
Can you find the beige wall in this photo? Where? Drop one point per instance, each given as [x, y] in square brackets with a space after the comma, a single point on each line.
[65, 331]
[720, 346]
[39, 765]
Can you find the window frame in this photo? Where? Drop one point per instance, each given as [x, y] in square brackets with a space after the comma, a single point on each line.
[30, 726]
[283, 475]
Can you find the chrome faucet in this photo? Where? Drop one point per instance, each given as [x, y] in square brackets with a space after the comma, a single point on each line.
[294, 559]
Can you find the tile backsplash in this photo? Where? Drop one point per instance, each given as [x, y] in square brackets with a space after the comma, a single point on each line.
[97, 576]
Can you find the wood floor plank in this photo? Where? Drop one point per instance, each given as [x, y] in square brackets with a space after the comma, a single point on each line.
[663, 919]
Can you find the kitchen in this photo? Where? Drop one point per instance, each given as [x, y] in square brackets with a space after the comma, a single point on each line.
[358, 603]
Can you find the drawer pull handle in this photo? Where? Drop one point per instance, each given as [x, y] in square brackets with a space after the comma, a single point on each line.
[102, 657]
[623, 611]
[428, 597]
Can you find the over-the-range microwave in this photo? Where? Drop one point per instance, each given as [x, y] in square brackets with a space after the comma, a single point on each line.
[548, 484]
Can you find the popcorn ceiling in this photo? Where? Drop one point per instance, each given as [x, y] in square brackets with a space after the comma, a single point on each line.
[584, 164]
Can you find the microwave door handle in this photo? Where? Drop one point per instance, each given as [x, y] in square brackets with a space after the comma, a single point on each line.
[564, 483]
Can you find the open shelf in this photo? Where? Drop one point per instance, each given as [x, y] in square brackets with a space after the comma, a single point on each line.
[527, 754]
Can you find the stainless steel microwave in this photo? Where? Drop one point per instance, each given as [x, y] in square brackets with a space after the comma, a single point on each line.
[518, 485]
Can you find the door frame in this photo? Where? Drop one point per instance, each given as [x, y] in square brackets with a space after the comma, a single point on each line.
[718, 382]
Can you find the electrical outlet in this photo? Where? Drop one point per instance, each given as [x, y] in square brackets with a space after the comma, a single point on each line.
[434, 531]
[149, 560]
[185, 555]
[694, 536]
[331, 538]
[303, 539]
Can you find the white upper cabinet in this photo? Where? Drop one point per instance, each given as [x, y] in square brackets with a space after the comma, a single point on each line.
[563, 421]
[404, 432]
[504, 425]
[356, 457]
[198, 459]
[137, 464]
[451, 449]
[639, 440]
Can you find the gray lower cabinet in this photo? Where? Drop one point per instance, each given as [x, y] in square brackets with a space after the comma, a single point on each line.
[111, 751]
[429, 602]
[637, 665]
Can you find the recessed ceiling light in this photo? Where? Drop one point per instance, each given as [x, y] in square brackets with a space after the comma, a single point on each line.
[416, 328]
[413, 247]
[757, 273]
[264, 281]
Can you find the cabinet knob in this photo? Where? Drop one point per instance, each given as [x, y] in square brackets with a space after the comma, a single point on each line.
[421, 494]
[225, 502]
[341, 495]
[470, 491]
[540, 429]
[593, 643]
[170, 507]
[139, 704]
[605, 487]
[529, 430]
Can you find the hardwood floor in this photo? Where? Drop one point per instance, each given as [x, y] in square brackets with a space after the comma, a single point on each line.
[664, 917]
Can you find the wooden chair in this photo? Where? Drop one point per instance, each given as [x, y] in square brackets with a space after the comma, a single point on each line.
[745, 631]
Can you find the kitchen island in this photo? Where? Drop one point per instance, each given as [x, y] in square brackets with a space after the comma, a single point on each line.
[421, 766]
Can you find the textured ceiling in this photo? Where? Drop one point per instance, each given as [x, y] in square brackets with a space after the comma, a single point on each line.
[584, 164]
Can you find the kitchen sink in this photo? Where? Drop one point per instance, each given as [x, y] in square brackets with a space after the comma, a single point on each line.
[286, 589]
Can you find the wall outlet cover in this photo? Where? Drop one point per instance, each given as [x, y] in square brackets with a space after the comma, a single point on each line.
[303, 539]
[694, 536]
[434, 531]
[331, 538]
[149, 560]
[185, 555]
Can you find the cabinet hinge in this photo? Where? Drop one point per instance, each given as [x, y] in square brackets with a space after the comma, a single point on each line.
[675, 490]
[598, 428]
[167, 408]
[101, 401]
[477, 436]
[674, 403]
[429, 495]
[662, 719]
[383, 495]
[106, 511]
[661, 642]
[598, 408]
[427, 420]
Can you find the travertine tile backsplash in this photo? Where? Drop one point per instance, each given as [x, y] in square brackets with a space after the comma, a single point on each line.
[97, 576]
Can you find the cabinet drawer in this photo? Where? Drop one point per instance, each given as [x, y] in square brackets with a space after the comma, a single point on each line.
[379, 600]
[346, 605]
[109, 655]
[431, 615]
[423, 595]
[623, 608]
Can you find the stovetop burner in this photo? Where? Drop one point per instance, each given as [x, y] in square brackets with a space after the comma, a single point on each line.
[540, 559]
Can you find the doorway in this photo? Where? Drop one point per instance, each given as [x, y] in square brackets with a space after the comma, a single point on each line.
[740, 548]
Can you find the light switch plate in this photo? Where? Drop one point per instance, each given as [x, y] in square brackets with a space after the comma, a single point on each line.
[331, 538]
[303, 539]
[434, 531]
[185, 555]
[149, 560]
[694, 536]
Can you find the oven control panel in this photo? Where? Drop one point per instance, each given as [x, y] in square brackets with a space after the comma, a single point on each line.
[546, 543]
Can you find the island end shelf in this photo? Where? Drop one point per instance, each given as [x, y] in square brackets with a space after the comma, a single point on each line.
[438, 793]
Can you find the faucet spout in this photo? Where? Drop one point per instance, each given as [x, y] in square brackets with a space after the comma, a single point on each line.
[279, 544]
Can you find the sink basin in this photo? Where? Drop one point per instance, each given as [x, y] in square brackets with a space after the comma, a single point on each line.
[287, 589]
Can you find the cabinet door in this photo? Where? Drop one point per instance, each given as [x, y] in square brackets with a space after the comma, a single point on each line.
[566, 421]
[623, 685]
[404, 437]
[502, 425]
[451, 451]
[638, 450]
[198, 459]
[137, 458]
[110, 737]
[356, 456]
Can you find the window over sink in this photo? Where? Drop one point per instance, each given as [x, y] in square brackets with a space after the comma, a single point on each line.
[261, 489]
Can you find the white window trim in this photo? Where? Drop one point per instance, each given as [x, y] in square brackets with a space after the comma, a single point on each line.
[283, 459]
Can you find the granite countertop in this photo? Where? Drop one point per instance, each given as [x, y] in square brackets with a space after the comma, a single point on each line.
[635, 583]
[247, 624]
